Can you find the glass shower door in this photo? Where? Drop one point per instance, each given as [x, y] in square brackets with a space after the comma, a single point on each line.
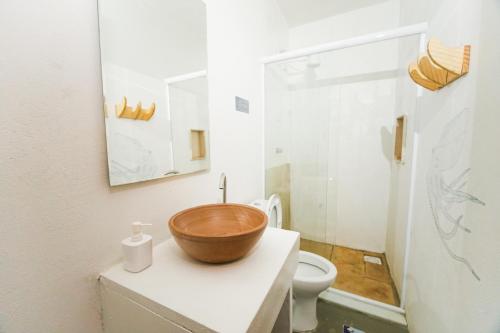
[329, 123]
[297, 150]
[309, 162]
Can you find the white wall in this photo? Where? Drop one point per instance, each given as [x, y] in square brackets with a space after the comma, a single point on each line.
[480, 308]
[378, 17]
[61, 222]
[131, 30]
[457, 131]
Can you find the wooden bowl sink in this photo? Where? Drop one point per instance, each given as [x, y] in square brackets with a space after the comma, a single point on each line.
[218, 233]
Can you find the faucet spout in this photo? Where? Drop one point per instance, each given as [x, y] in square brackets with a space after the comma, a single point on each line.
[223, 186]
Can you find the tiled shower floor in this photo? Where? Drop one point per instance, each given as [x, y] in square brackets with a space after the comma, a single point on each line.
[354, 275]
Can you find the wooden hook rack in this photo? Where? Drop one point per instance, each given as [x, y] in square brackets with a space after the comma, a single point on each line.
[440, 66]
[137, 113]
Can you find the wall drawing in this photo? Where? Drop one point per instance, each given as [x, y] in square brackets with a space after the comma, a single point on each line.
[446, 196]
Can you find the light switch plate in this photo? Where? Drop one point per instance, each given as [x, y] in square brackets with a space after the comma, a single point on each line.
[242, 105]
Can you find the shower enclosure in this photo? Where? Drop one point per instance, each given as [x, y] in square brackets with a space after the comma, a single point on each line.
[330, 114]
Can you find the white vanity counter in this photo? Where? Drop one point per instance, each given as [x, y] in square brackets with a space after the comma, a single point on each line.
[179, 294]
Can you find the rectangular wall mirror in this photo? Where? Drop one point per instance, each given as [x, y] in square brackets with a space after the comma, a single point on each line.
[154, 73]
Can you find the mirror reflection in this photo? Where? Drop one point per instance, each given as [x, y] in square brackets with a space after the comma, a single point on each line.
[153, 56]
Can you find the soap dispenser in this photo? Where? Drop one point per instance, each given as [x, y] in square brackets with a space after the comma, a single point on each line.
[137, 249]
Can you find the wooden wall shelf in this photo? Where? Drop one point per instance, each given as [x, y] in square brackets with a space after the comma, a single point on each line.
[440, 66]
[400, 138]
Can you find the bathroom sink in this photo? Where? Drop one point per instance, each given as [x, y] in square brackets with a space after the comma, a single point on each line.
[218, 233]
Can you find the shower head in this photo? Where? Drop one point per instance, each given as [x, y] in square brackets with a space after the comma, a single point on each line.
[313, 61]
[301, 65]
[301, 70]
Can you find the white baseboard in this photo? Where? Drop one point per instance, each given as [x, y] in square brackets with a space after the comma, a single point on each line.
[366, 305]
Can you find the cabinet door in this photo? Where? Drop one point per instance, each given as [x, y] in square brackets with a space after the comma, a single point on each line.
[123, 315]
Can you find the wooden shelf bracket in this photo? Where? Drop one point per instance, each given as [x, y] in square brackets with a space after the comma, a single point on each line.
[440, 66]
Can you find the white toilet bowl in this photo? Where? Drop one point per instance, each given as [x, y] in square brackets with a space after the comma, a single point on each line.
[314, 273]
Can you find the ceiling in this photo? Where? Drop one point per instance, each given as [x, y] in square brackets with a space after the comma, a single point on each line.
[298, 12]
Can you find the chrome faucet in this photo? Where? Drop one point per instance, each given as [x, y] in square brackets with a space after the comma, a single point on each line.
[223, 186]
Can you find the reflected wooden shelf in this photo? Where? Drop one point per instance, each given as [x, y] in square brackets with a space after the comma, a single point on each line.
[198, 149]
[137, 113]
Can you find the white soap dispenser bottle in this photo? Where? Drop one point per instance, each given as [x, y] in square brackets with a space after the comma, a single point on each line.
[137, 249]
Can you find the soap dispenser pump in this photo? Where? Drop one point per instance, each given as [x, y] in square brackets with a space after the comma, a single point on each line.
[137, 249]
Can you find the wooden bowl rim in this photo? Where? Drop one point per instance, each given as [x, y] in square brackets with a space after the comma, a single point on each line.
[203, 237]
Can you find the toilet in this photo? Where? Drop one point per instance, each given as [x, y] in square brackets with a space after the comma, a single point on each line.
[272, 207]
[314, 273]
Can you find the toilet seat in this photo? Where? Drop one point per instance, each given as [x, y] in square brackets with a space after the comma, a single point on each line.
[317, 264]
[307, 270]
[272, 208]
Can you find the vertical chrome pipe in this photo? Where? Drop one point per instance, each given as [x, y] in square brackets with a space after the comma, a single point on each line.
[223, 186]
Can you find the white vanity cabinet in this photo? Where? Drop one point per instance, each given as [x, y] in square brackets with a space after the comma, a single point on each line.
[179, 294]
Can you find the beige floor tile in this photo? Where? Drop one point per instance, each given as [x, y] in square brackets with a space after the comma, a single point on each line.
[350, 269]
[377, 272]
[377, 290]
[363, 286]
[346, 255]
[349, 283]
[322, 249]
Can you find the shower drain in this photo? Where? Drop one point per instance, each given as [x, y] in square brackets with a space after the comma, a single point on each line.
[373, 260]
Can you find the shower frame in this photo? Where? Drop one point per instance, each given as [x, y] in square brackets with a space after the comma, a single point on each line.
[420, 30]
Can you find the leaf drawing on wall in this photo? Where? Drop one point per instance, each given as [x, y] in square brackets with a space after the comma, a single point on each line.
[445, 196]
